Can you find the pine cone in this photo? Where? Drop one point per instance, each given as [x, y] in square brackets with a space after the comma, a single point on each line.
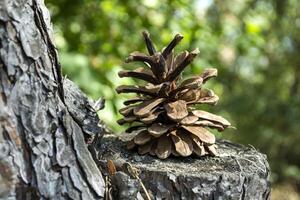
[165, 121]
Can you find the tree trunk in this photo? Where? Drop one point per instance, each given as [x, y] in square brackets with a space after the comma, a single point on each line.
[239, 172]
[45, 121]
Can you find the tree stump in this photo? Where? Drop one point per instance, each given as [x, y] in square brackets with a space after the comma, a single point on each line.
[239, 172]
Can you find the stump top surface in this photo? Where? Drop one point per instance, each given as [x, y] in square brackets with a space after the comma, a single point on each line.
[233, 158]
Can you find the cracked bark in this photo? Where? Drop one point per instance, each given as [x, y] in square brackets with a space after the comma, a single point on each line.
[45, 121]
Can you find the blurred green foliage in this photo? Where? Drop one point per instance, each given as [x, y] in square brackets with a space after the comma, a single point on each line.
[254, 44]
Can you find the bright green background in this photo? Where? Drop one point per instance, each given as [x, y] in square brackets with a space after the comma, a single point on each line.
[254, 44]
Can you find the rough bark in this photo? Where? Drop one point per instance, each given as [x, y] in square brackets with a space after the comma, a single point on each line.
[45, 121]
[239, 172]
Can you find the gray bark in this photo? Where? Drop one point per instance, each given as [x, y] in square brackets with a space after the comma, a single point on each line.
[45, 122]
[239, 172]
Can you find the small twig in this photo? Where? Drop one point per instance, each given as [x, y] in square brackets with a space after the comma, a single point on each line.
[237, 161]
[250, 145]
[106, 188]
[134, 172]
[144, 188]
[252, 163]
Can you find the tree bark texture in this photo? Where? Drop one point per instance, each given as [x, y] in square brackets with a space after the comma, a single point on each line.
[45, 121]
[239, 172]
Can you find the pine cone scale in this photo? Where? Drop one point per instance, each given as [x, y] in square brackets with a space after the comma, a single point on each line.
[164, 147]
[183, 143]
[203, 134]
[144, 108]
[176, 110]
